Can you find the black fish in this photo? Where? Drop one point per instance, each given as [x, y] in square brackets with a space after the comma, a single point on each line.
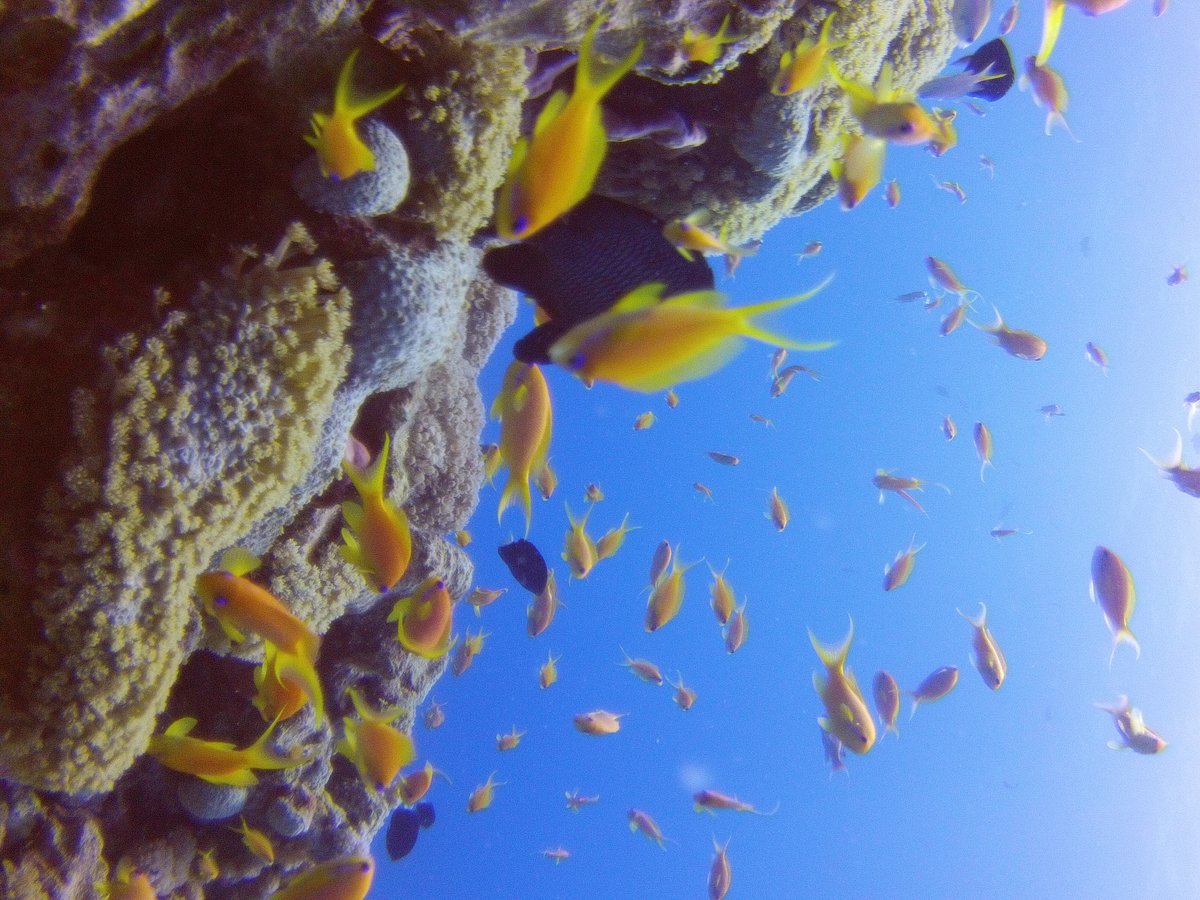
[403, 828]
[994, 53]
[527, 565]
[582, 263]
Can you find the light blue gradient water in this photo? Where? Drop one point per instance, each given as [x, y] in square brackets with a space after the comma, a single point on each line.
[1012, 794]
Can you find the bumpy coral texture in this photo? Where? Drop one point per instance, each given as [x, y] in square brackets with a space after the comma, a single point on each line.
[170, 468]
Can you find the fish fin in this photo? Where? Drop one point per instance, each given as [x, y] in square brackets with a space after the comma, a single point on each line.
[353, 512]
[180, 727]
[833, 657]
[590, 84]
[825, 724]
[304, 673]
[368, 481]
[550, 111]
[1113, 745]
[350, 551]
[399, 609]
[1124, 636]
[819, 683]
[641, 297]
[1051, 25]
[231, 631]
[697, 367]
[239, 561]
[516, 491]
[241, 778]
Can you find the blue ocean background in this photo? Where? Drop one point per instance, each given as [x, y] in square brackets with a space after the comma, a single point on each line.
[1006, 794]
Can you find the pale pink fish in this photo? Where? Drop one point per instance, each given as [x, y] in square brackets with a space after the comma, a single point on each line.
[891, 193]
[901, 485]
[953, 319]
[643, 669]
[781, 381]
[558, 854]
[644, 421]
[1112, 589]
[913, 296]
[1174, 468]
[951, 187]
[577, 801]
[762, 420]
[1008, 21]
[897, 574]
[976, 108]
[810, 249]
[777, 511]
[737, 629]
[541, 612]
[641, 821]
[720, 873]
[723, 602]
[672, 398]
[949, 429]
[1160, 7]
[481, 597]
[969, 18]
[887, 700]
[599, 722]
[835, 753]
[985, 163]
[777, 359]
[941, 275]
[1051, 410]
[685, 697]
[725, 459]
[1001, 533]
[708, 800]
[936, 685]
[1095, 353]
[1049, 93]
[1132, 729]
[983, 447]
[703, 490]
[988, 658]
[1179, 274]
[1015, 341]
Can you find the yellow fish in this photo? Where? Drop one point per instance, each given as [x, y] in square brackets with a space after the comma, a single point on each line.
[424, 618]
[859, 168]
[377, 542]
[554, 169]
[256, 842]
[284, 685]
[340, 150]
[217, 762]
[702, 47]
[889, 113]
[526, 422]
[579, 550]
[647, 343]
[803, 66]
[847, 717]
[378, 750]
[344, 878]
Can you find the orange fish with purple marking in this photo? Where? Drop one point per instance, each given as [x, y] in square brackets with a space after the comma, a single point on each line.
[988, 658]
[526, 424]
[376, 747]
[424, 619]
[344, 878]
[377, 541]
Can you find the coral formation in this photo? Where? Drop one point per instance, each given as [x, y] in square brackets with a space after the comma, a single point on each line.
[154, 429]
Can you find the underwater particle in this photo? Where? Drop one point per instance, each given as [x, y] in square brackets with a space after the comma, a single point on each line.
[1113, 591]
[897, 573]
[481, 797]
[649, 341]
[777, 510]
[1179, 274]
[935, 686]
[373, 192]
[1096, 355]
[988, 658]
[1131, 727]
[737, 629]
[344, 878]
[208, 802]
[540, 613]
[584, 262]
[641, 821]
[847, 716]
[577, 801]
[886, 694]
[403, 828]
[685, 697]
[725, 459]
[1014, 341]
[643, 669]
[376, 747]
[720, 872]
[644, 421]
[1175, 469]
[599, 722]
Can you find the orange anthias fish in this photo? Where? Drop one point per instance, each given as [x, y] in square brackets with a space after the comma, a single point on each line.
[804, 65]
[643, 669]
[610, 542]
[424, 619]
[554, 169]
[256, 842]
[888, 113]
[577, 801]
[1183, 476]
[901, 485]
[983, 447]
[689, 236]
[284, 685]
[887, 700]
[641, 821]
[646, 342]
[1112, 589]
[720, 873]
[1014, 341]
[1049, 92]
[685, 697]
[376, 747]
[666, 597]
[1132, 728]
[859, 168]
[414, 787]
[218, 762]
[847, 717]
[548, 673]
[988, 657]
[737, 629]
[710, 801]
[510, 741]
[579, 550]
[466, 652]
[777, 511]
[540, 613]
[378, 542]
[127, 884]
[943, 276]
[481, 797]
[936, 685]
[526, 421]
[340, 150]
[344, 878]
[481, 597]
[702, 47]
[897, 574]
[599, 722]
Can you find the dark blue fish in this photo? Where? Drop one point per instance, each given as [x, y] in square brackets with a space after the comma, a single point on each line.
[404, 827]
[581, 264]
[994, 53]
[527, 565]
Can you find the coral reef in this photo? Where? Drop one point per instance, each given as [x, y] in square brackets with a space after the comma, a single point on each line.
[168, 401]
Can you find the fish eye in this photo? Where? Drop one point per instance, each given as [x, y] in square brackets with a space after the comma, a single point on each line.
[220, 600]
[905, 127]
[520, 223]
[576, 362]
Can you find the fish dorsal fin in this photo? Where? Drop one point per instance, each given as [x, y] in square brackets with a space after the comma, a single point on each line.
[239, 561]
[180, 727]
[697, 300]
[550, 111]
[353, 513]
[641, 297]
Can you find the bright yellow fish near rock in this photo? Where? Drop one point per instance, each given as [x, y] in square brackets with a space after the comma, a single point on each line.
[377, 542]
[376, 747]
[647, 343]
[424, 618]
[217, 762]
[340, 150]
[526, 422]
[555, 168]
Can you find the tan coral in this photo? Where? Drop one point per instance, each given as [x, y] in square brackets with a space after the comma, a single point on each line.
[170, 468]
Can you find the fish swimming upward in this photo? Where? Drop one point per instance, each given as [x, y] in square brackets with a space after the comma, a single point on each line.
[581, 264]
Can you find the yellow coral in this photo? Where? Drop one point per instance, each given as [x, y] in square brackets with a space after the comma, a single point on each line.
[168, 469]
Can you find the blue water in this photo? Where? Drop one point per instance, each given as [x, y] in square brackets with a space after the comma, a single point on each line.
[1007, 794]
